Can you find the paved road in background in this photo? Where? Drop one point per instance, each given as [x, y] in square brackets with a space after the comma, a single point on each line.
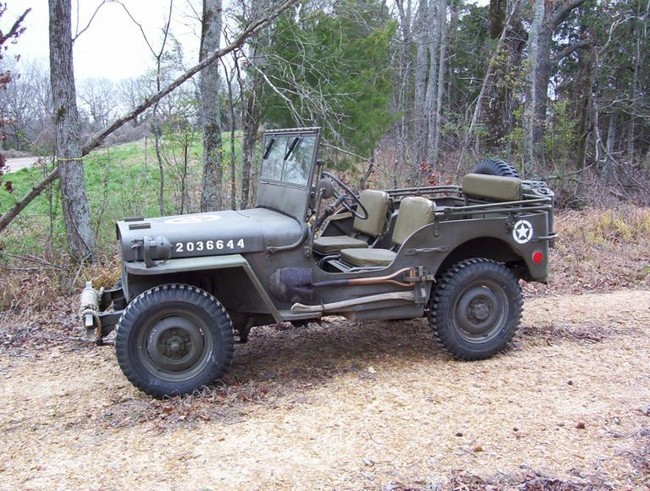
[20, 163]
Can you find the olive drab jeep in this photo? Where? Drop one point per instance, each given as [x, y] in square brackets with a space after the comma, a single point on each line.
[311, 247]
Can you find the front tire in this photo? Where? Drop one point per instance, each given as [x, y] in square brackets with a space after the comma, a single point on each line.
[475, 309]
[173, 339]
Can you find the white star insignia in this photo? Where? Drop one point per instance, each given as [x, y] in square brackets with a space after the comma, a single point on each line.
[522, 232]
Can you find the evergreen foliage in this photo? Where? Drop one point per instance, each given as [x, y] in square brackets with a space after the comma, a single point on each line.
[331, 68]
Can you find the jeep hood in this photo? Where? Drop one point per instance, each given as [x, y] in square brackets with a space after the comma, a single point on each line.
[205, 234]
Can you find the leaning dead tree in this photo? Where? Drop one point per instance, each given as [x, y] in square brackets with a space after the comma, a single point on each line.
[253, 28]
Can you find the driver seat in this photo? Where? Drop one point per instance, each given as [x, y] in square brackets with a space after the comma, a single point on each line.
[376, 203]
[415, 212]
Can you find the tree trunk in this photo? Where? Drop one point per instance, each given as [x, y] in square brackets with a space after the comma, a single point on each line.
[499, 105]
[432, 78]
[536, 93]
[609, 166]
[545, 21]
[487, 83]
[403, 104]
[253, 87]
[251, 125]
[437, 122]
[230, 75]
[212, 191]
[583, 107]
[421, 35]
[76, 211]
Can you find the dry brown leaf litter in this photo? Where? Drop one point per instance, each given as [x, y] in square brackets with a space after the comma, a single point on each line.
[351, 406]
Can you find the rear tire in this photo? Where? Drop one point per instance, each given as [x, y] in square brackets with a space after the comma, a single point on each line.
[173, 339]
[494, 167]
[475, 309]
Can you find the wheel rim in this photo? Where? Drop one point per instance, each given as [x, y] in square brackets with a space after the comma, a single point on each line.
[480, 311]
[175, 346]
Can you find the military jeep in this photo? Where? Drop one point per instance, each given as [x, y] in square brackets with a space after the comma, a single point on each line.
[311, 247]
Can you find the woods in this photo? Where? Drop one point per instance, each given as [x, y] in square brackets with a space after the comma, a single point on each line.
[407, 93]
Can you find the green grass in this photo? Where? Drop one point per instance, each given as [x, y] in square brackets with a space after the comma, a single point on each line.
[121, 181]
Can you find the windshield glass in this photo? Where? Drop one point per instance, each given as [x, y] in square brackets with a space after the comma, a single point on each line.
[288, 158]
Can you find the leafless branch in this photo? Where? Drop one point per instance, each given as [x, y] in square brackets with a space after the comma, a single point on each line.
[90, 21]
[156, 54]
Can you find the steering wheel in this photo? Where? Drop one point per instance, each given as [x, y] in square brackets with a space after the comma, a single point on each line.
[346, 197]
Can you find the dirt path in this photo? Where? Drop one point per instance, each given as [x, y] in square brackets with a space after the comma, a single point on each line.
[352, 406]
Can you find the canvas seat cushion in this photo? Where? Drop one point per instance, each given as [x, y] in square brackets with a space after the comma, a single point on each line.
[493, 187]
[368, 257]
[331, 244]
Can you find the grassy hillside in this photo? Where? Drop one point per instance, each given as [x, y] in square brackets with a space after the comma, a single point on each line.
[121, 181]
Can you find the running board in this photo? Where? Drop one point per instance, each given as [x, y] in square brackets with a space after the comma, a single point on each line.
[339, 306]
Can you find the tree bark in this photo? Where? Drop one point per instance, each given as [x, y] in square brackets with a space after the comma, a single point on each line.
[212, 189]
[583, 107]
[76, 210]
[541, 64]
[253, 87]
[422, 40]
[437, 121]
[536, 97]
[403, 104]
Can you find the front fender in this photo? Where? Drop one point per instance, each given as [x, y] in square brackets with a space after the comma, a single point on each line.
[208, 263]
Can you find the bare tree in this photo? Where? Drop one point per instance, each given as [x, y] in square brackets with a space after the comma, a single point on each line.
[76, 210]
[25, 105]
[14, 32]
[249, 30]
[99, 101]
[402, 98]
[212, 189]
[431, 47]
[546, 19]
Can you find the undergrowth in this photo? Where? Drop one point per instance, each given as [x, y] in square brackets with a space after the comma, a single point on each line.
[600, 250]
[597, 250]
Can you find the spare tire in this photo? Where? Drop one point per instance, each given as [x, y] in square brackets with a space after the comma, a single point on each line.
[494, 167]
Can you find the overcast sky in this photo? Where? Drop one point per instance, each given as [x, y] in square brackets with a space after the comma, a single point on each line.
[113, 47]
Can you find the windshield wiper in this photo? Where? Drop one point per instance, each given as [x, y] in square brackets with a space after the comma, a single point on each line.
[291, 147]
[267, 151]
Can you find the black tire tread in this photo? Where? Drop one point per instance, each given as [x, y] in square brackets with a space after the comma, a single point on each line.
[495, 167]
[442, 289]
[190, 294]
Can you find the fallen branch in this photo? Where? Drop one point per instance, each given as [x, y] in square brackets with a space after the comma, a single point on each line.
[15, 210]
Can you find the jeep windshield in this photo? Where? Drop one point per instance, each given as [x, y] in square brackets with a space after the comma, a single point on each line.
[288, 158]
